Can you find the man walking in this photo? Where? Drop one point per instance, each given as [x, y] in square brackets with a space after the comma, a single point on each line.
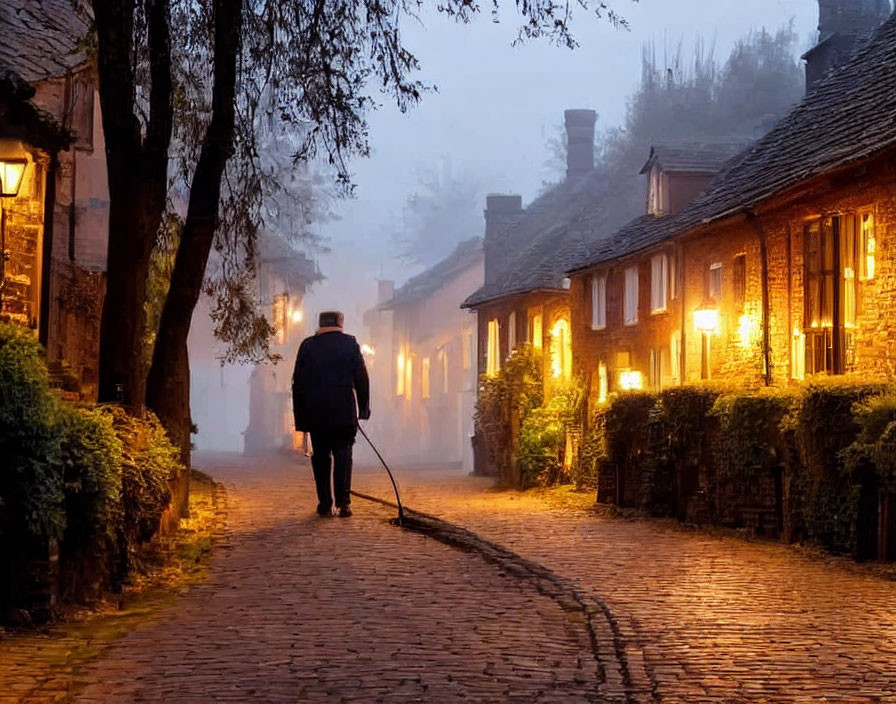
[330, 391]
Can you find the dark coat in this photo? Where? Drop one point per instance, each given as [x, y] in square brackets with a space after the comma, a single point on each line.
[329, 373]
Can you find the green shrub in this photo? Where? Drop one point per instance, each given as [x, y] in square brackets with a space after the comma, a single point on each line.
[31, 481]
[91, 460]
[750, 437]
[503, 403]
[546, 436]
[875, 447]
[822, 426]
[148, 463]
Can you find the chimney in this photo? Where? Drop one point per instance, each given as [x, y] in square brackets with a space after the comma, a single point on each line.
[501, 213]
[579, 142]
[385, 291]
[841, 23]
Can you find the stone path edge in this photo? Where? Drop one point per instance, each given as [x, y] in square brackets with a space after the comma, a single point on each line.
[628, 674]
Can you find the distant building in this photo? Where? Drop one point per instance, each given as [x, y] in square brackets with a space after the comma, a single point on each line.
[55, 227]
[423, 362]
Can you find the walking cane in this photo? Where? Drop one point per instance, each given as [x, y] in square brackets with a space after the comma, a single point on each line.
[389, 472]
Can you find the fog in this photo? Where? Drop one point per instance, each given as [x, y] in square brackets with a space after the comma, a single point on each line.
[494, 108]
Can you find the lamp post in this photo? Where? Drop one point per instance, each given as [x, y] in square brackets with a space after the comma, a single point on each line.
[12, 172]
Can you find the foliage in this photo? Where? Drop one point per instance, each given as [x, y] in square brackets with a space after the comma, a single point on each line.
[444, 210]
[31, 490]
[821, 426]
[624, 422]
[875, 447]
[545, 437]
[750, 437]
[505, 399]
[148, 462]
[91, 465]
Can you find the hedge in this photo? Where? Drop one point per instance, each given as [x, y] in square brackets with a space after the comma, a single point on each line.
[92, 478]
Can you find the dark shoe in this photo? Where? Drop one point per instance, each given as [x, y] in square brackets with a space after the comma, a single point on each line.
[325, 512]
[345, 512]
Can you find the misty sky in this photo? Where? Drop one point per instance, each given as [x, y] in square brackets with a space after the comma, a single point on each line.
[497, 106]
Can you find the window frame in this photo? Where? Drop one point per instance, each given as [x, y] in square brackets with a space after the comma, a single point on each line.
[659, 290]
[599, 301]
[630, 295]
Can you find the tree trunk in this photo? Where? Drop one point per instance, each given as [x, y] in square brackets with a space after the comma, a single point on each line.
[168, 388]
[137, 170]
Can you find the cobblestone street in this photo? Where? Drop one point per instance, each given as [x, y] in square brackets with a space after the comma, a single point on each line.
[302, 609]
[704, 618]
[296, 608]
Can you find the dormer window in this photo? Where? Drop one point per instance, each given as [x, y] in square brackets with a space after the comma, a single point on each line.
[655, 201]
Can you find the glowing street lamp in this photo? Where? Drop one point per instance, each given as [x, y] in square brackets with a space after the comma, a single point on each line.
[12, 172]
[297, 315]
[706, 320]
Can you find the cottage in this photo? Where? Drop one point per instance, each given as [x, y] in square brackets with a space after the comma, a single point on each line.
[426, 406]
[54, 209]
[782, 266]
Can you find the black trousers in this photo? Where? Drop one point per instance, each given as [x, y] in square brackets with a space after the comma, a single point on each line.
[332, 449]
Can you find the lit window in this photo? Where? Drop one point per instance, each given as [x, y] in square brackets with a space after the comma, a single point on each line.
[675, 356]
[280, 319]
[511, 332]
[656, 369]
[399, 375]
[602, 383]
[630, 307]
[561, 350]
[493, 352]
[467, 351]
[409, 376]
[444, 355]
[659, 282]
[598, 301]
[537, 331]
[869, 246]
[631, 380]
[715, 281]
[798, 355]
[425, 377]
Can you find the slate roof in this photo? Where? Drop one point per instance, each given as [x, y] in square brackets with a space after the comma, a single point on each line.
[42, 38]
[848, 117]
[556, 228]
[465, 255]
[693, 157]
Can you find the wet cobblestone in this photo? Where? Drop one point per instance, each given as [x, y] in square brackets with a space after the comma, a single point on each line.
[711, 618]
[301, 609]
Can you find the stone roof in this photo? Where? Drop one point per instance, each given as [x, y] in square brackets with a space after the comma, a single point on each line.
[693, 157]
[848, 117]
[42, 38]
[468, 253]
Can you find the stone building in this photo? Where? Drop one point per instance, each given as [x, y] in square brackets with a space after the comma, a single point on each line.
[423, 403]
[525, 296]
[55, 227]
[781, 267]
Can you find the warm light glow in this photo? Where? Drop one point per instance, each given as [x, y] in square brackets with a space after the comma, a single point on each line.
[297, 315]
[493, 357]
[706, 320]
[748, 330]
[561, 350]
[11, 173]
[368, 350]
[399, 375]
[631, 380]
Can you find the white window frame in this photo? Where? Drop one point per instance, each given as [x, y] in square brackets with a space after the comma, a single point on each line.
[659, 283]
[599, 301]
[426, 378]
[675, 356]
[630, 297]
[713, 294]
